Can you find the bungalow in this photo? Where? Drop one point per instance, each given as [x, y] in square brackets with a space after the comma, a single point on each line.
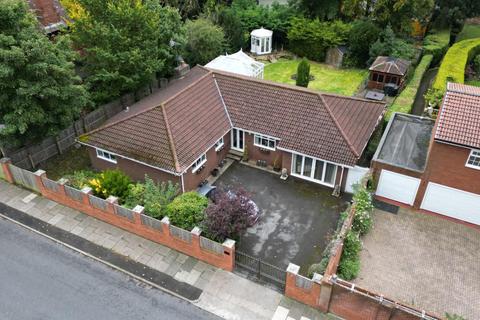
[435, 166]
[183, 132]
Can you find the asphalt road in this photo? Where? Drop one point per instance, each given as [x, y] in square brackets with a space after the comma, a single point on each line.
[40, 279]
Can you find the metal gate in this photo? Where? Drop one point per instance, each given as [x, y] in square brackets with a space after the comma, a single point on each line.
[261, 269]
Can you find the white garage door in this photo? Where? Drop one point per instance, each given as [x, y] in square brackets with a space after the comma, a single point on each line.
[452, 202]
[397, 187]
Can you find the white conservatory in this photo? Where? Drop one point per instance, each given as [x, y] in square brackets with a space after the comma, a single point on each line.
[239, 63]
[261, 41]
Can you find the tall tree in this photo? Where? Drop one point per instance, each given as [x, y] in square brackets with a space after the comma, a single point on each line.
[39, 90]
[322, 9]
[125, 43]
[363, 34]
[205, 41]
[399, 14]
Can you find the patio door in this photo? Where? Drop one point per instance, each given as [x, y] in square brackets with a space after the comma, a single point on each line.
[238, 139]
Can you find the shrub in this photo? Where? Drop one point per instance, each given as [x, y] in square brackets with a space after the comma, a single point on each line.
[154, 197]
[363, 34]
[453, 65]
[187, 210]
[348, 269]
[230, 215]
[389, 45]
[351, 245]
[362, 221]
[476, 64]
[205, 41]
[80, 179]
[436, 44]
[111, 182]
[404, 102]
[303, 73]
[311, 38]
[453, 316]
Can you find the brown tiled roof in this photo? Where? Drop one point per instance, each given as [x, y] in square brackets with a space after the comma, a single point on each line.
[390, 65]
[48, 12]
[305, 121]
[172, 131]
[459, 117]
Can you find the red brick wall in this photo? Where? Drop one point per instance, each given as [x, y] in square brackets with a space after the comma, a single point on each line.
[446, 166]
[133, 169]
[255, 153]
[192, 180]
[225, 261]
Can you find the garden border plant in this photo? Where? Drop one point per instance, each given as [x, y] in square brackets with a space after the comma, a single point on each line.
[362, 222]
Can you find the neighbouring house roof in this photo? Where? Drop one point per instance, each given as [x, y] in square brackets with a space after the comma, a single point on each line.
[171, 131]
[390, 65]
[405, 142]
[49, 13]
[239, 63]
[459, 116]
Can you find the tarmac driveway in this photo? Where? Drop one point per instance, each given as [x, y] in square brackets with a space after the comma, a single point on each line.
[423, 260]
[296, 216]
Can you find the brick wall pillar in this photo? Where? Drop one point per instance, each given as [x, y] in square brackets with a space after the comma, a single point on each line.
[5, 162]
[86, 191]
[166, 227]
[309, 296]
[229, 251]
[325, 295]
[39, 174]
[111, 200]
[61, 187]
[137, 211]
[196, 231]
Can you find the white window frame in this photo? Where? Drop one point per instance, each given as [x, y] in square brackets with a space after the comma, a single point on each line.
[199, 163]
[312, 173]
[219, 144]
[262, 137]
[105, 155]
[473, 153]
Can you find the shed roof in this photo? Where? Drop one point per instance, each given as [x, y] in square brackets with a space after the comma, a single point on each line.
[459, 117]
[172, 132]
[49, 13]
[390, 65]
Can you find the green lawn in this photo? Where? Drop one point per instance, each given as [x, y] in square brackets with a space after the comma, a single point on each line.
[473, 83]
[469, 31]
[327, 78]
[74, 159]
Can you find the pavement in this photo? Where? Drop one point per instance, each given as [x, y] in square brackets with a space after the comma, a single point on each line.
[44, 280]
[296, 216]
[423, 260]
[222, 293]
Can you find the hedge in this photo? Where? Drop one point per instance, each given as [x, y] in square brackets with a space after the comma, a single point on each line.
[436, 44]
[404, 102]
[453, 65]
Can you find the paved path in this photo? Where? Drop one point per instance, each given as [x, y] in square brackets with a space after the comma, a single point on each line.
[43, 280]
[223, 293]
[423, 260]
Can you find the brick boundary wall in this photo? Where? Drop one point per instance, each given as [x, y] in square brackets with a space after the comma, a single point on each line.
[328, 293]
[225, 260]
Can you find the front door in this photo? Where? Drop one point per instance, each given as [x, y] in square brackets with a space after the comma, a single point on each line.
[238, 139]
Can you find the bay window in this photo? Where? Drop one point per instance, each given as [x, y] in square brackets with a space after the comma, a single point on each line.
[313, 169]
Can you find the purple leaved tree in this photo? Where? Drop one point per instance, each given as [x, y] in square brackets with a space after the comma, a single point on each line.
[231, 213]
